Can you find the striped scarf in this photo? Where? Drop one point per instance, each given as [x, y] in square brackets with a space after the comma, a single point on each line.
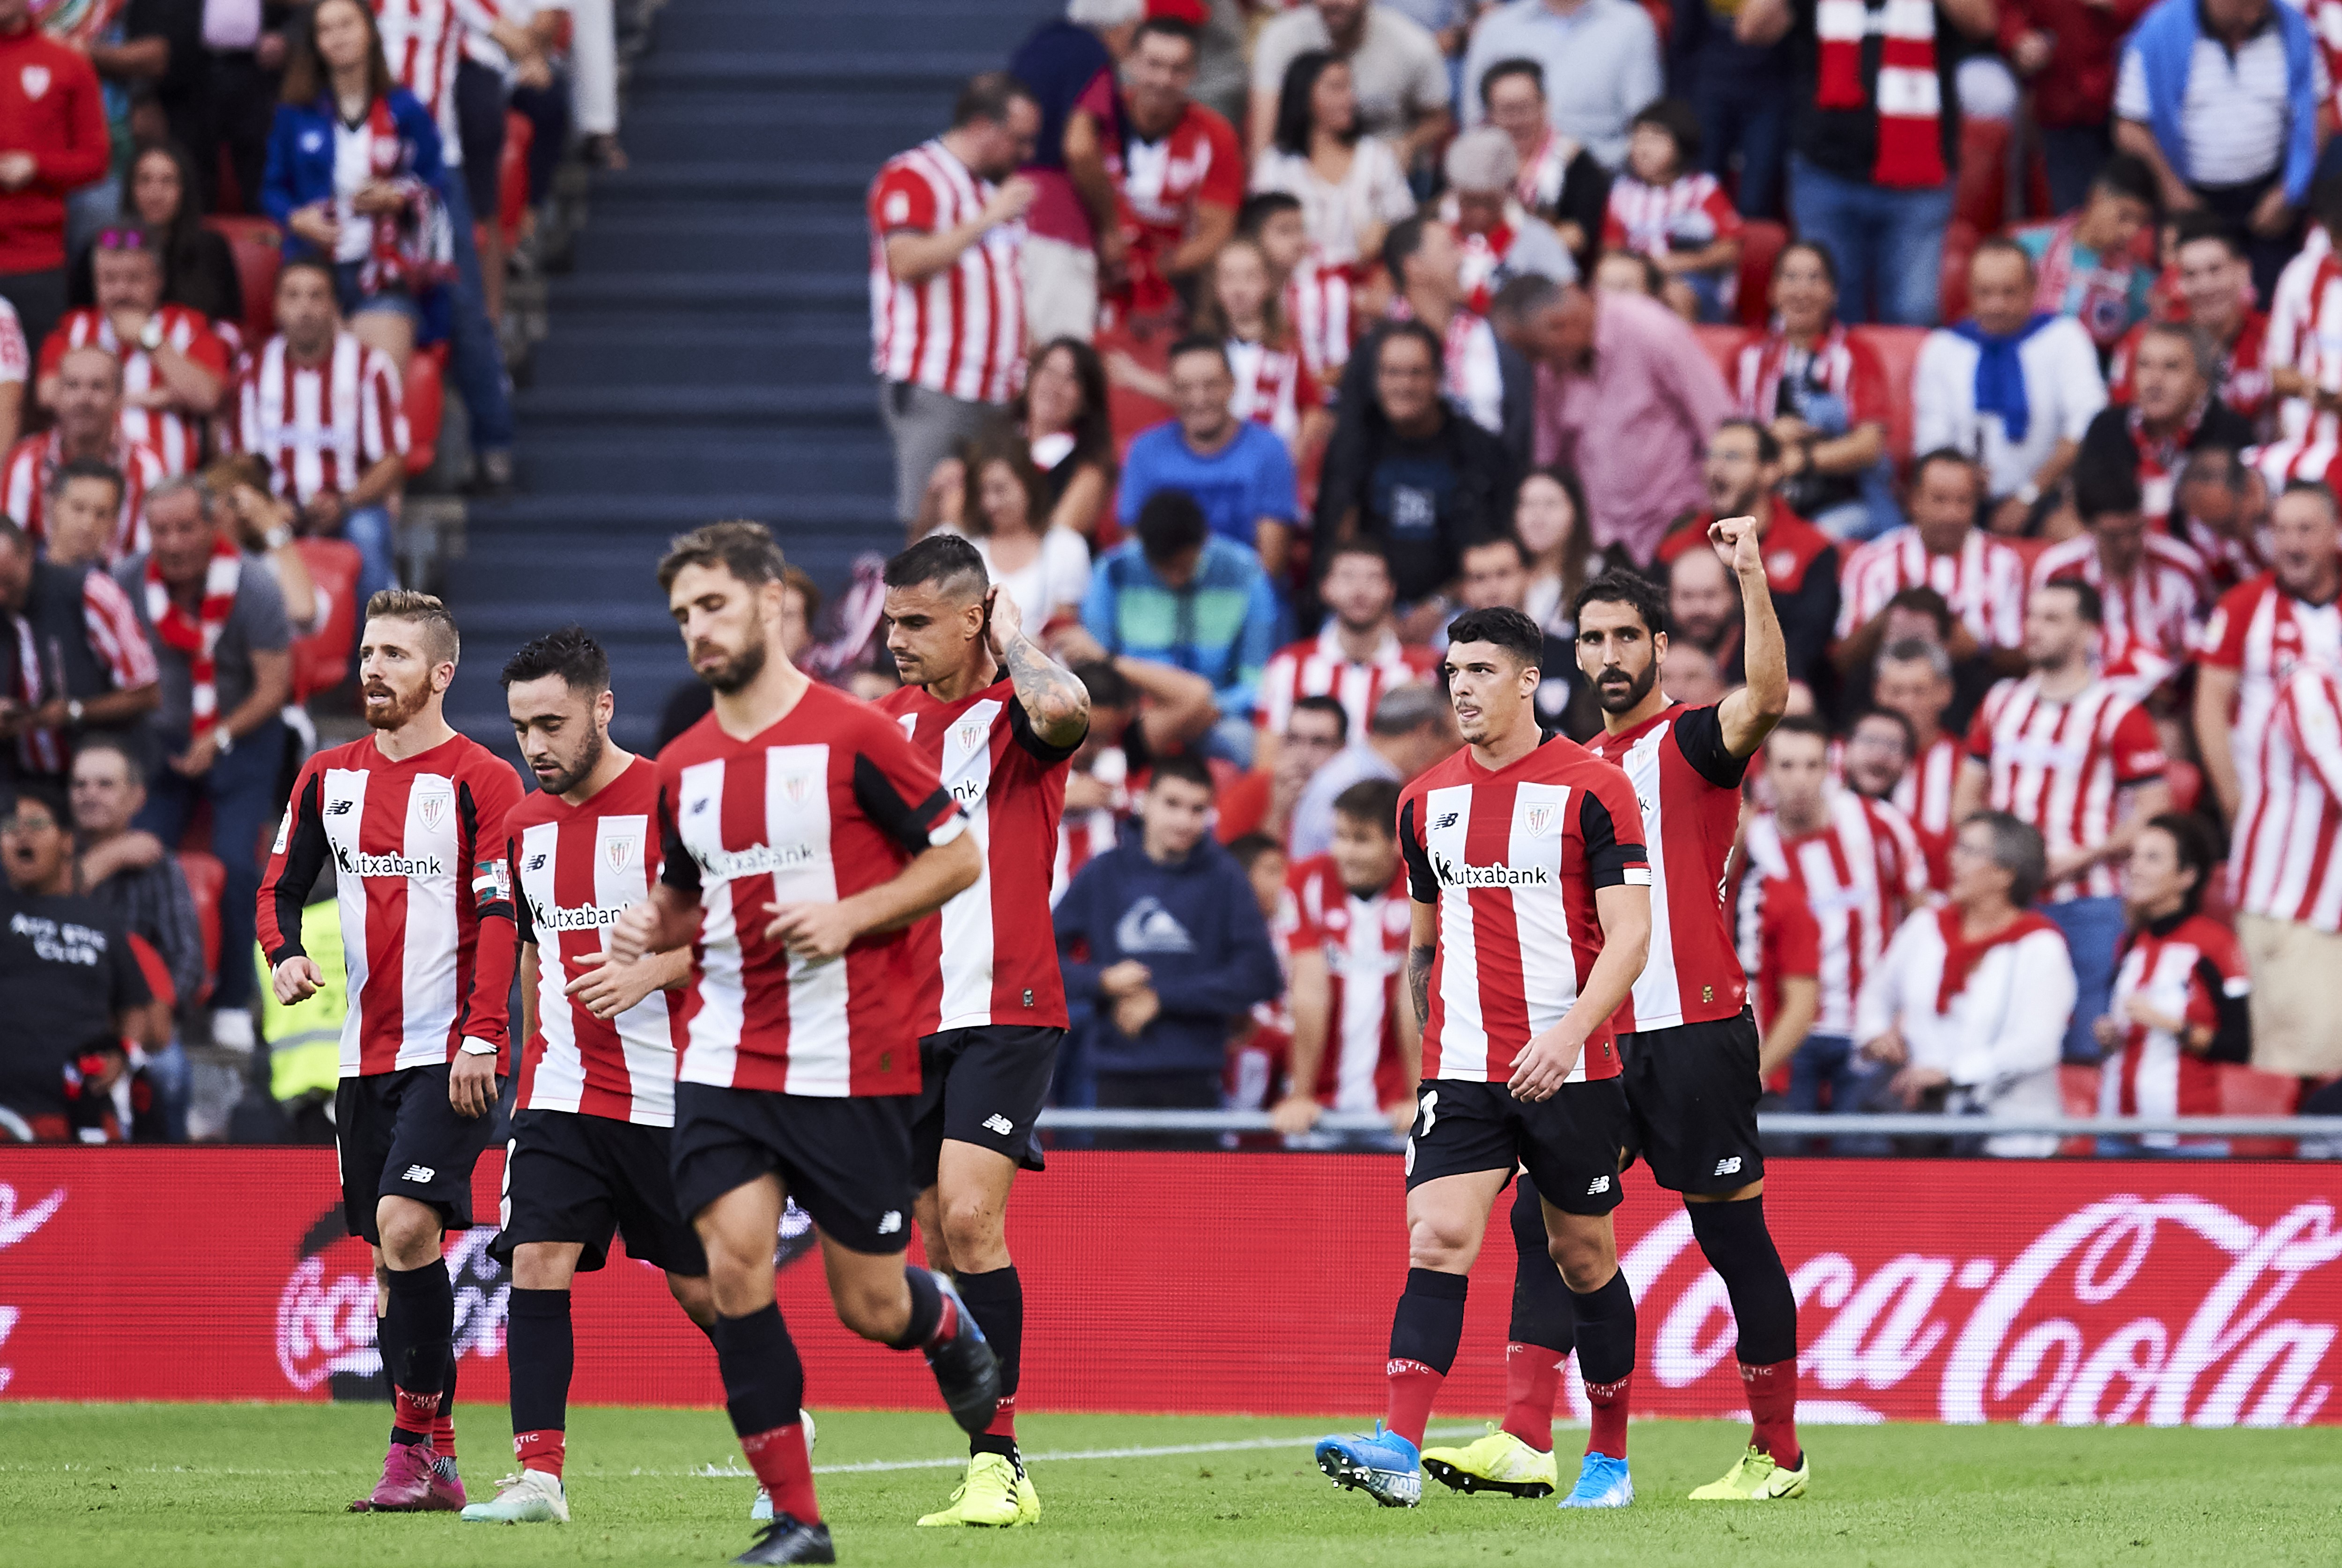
[197, 637]
[1909, 94]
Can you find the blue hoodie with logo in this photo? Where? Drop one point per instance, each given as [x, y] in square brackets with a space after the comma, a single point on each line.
[1197, 928]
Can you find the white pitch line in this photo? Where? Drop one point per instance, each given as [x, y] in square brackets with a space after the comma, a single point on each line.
[1164, 1452]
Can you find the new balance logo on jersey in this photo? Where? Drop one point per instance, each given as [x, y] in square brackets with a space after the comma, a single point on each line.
[996, 1122]
[1729, 1166]
[1147, 927]
[339, 807]
[417, 1173]
[1464, 874]
[1597, 1186]
[890, 1222]
[536, 862]
[1446, 819]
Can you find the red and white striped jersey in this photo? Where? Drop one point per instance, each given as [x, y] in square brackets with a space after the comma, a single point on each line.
[1858, 875]
[575, 870]
[111, 626]
[1318, 307]
[1086, 834]
[1513, 858]
[2062, 766]
[176, 439]
[1363, 943]
[2285, 861]
[1688, 786]
[2305, 335]
[33, 465]
[1984, 583]
[1272, 387]
[319, 427]
[1924, 797]
[2262, 632]
[1197, 161]
[2157, 604]
[1778, 939]
[989, 956]
[827, 802]
[1316, 667]
[1845, 367]
[2244, 367]
[1689, 213]
[418, 852]
[2228, 560]
[959, 331]
[2183, 968]
[424, 41]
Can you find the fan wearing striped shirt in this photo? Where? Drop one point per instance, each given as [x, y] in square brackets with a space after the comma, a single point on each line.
[1666, 208]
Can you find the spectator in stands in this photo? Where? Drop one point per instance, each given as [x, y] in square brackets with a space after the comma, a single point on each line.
[2075, 753]
[198, 266]
[2092, 264]
[129, 871]
[1063, 413]
[1409, 472]
[71, 992]
[1484, 378]
[228, 99]
[1741, 93]
[262, 524]
[325, 411]
[2149, 584]
[1179, 170]
[1178, 594]
[1044, 571]
[80, 512]
[1664, 206]
[2172, 412]
[1351, 186]
[1162, 936]
[1238, 304]
[1238, 472]
[1073, 227]
[174, 366]
[72, 661]
[2221, 98]
[1704, 612]
[1097, 784]
[1600, 60]
[1825, 398]
[944, 278]
[1549, 520]
[1391, 62]
[2010, 385]
[1500, 239]
[2216, 288]
[215, 620]
[1873, 144]
[1261, 802]
[1875, 756]
[2303, 368]
[2285, 875]
[1413, 728]
[1315, 297]
[1980, 579]
[1628, 398]
[1496, 571]
[1801, 561]
[1913, 680]
[1692, 677]
[2223, 503]
[1357, 654]
[2065, 51]
[1559, 180]
[1971, 999]
[2257, 631]
[56, 141]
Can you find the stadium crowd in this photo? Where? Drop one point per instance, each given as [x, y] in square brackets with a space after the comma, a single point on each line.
[1249, 345]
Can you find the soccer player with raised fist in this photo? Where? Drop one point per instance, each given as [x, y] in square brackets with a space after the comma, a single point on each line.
[413, 817]
[1530, 888]
[999, 718]
[801, 834]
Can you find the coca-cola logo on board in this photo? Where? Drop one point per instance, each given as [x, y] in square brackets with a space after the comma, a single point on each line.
[15, 1224]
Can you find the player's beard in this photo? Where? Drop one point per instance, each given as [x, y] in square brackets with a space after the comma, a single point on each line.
[403, 706]
[569, 779]
[735, 673]
[1617, 699]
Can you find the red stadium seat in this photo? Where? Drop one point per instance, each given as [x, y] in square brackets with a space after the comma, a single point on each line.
[320, 662]
[258, 246]
[1980, 198]
[2077, 1086]
[512, 176]
[1952, 274]
[1897, 348]
[207, 879]
[1724, 345]
[426, 403]
[1761, 242]
[2248, 1092]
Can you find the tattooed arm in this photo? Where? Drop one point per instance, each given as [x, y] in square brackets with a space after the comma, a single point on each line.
[1053, 697]
[1421, 946]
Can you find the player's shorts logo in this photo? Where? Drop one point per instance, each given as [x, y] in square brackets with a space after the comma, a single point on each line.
[890, 1222]
[999, 1124]
[417, 1173]
[1597, 1186]
[1729, 1166]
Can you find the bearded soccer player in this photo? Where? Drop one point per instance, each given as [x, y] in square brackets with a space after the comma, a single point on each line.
[595, 1099]
[1531, 915]
[999, 718]
[802, 834]
[413, 817]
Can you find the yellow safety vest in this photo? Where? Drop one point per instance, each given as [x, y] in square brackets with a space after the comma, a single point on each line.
[304, 1040]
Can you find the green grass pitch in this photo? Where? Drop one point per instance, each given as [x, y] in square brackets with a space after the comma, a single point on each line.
[249, 1486]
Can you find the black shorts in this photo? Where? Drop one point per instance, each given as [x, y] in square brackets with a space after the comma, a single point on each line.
[396, 1135]
[847, 1161]
[1693, 1092]
[571, 1177]
[1570, 1144]
[983, 1086]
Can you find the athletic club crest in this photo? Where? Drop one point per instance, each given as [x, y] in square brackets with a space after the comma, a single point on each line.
[798, 788]
[36, 81]
[618, 852]
[971, 735]
[432, 810]
[1538, 818]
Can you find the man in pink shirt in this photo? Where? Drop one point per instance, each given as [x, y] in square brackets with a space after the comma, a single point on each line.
[1626, 396]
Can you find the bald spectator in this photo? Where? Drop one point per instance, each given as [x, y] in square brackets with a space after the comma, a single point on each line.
[88, 406]
[1500, 239]
[1413, 729]
[1600, 60]
[1394, 65]
[1073, 227]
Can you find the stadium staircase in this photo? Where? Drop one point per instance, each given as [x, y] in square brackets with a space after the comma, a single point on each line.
[709, 355]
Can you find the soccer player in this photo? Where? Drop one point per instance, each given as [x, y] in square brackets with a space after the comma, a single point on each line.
[596, 1093]
[801, 834]
[413, 816]
[1532, 913]
[999, 718]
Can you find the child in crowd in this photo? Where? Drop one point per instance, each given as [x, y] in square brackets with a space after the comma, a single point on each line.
[1315, 298]
[1664, 208]
[2097, 263]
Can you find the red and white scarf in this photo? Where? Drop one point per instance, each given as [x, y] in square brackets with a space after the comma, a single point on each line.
[1909, 101]
[409, 246]
[1961, 955]
[197, 637]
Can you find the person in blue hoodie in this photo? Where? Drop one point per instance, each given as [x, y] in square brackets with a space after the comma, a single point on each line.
[1161, 936]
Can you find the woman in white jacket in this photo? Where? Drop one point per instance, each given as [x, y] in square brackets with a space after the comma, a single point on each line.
[1971, 1000]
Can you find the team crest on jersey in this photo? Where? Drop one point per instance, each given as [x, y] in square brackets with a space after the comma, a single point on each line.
[36, 81]
[1538, 818]
[618, 852]
[971, 735]
[432, 810]
[798, 788]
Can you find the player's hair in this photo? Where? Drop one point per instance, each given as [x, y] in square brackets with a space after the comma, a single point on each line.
[2105, 488]
[945, 560]
[1502, 625]
[1808, 724]
[570, 653]
[1261, 206]
[87, 468]
[1251, 847]
[1680, 124]
[1170, 523]
[1186, 766]
[743, 549]
[1402, 710]
[2196, 852]
[424, 610]
[1107, 686]
[1374, 802]
[1319, 703]
[1910, 735]
[1619, 586]
[1177, 28]
[987, 96]
[1768, 445]
[2016, 849]
[1517, 65]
